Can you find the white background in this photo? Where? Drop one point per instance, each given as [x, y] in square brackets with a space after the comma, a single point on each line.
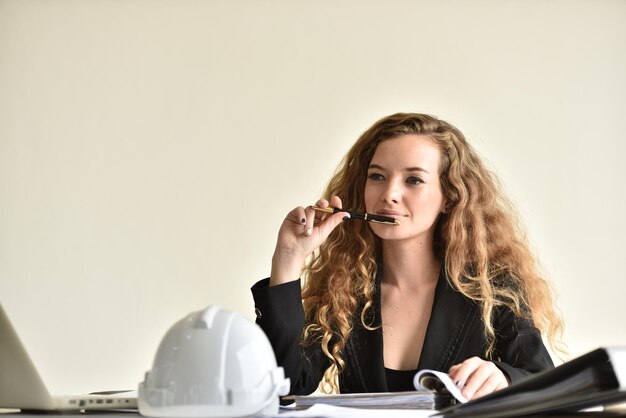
[150, 149]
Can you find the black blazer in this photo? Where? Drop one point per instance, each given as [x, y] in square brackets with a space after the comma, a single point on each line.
[455, 332]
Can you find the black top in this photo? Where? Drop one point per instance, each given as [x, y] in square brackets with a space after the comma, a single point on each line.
[399, 380]
[455, 333]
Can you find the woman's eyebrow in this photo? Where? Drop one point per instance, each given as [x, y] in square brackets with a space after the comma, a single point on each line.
[423, 170]
[378, 167]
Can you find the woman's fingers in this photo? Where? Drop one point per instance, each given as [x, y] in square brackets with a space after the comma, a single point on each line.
[335, 202]
[322, 203]
[460, 374]
[298, 216]
[323, 223]
[330, 223]
[476, 377]
[310, 220]
[491, 384]
[302, 232]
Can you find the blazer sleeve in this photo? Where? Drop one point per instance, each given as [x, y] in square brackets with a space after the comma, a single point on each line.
[281, 316]
[519, 346]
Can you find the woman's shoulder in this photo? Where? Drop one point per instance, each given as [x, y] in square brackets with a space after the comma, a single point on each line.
[506, 281]
[505, 292]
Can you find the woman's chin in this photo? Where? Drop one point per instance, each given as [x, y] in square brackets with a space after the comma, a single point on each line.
[387, 231]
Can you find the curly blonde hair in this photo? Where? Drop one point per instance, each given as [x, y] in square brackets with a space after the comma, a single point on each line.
[479, 241]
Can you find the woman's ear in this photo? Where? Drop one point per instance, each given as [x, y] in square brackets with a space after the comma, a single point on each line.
[446, 207]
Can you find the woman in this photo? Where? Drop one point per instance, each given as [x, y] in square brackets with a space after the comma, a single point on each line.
[454, 287]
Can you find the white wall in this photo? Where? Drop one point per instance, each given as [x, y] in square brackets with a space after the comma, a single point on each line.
[150, 149]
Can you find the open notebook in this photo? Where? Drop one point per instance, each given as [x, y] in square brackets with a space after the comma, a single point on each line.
[21, 387]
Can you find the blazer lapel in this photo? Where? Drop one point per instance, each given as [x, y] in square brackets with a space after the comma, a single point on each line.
[367, 370]
[450, 320]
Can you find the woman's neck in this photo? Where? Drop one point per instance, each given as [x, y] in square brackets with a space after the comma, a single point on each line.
[409, 265]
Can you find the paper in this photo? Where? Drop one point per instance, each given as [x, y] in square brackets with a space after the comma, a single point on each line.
[432, 380]
[331, 411]
[380, 400]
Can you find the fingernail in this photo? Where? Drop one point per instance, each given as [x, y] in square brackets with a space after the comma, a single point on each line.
[303, 220]
[458, 383]
[345, 218]
[308, 231]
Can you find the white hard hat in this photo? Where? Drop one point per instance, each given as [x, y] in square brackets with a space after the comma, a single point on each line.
[213, 363]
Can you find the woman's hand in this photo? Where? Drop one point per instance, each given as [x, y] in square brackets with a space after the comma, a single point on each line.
[301, 233]
[476, 377]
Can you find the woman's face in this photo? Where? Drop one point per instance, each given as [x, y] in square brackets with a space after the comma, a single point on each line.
[403, 183]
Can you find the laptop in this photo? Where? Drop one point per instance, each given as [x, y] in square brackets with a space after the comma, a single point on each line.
[21, 387]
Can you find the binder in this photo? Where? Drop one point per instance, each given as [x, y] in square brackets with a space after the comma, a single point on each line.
[597, 378]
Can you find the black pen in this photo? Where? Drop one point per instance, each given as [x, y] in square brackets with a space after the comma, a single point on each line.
[360, 215]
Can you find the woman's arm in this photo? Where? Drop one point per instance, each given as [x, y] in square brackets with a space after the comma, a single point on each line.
[519, 346]
[281, 316]
[519, 352]
[278, 300]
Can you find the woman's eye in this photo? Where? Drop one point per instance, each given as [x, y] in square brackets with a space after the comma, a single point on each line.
[375, 176]
[414, 180]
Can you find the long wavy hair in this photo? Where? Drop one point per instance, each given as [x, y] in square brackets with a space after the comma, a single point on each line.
[479, 241]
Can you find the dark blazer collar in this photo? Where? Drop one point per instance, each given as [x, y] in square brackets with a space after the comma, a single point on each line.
[450, 317]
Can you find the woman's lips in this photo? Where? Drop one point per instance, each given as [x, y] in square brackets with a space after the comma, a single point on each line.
[390, 213]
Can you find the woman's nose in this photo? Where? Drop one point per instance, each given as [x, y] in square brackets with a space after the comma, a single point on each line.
[392, 192]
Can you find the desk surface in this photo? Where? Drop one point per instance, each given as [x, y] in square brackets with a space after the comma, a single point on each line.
[112, 414]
